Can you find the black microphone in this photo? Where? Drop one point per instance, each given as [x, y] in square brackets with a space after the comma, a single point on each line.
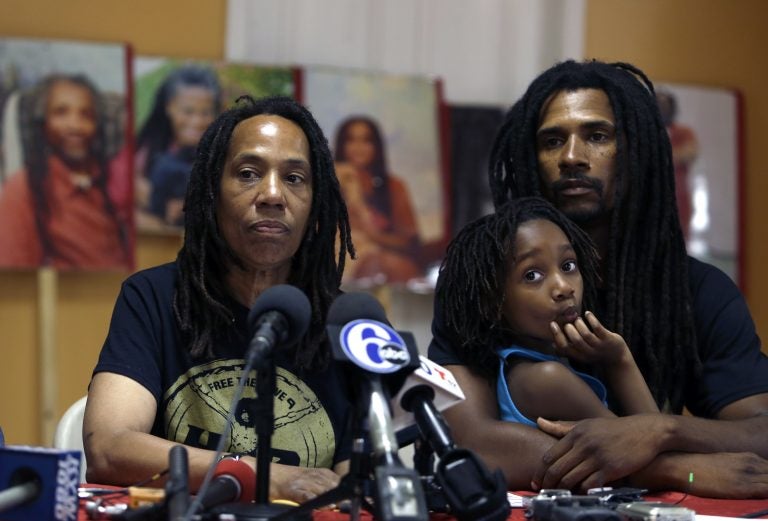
[360, 333]
[233, 481]
[177, 487]
[280, 315]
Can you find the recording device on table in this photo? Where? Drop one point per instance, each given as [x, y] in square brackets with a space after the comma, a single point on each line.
[605, 504]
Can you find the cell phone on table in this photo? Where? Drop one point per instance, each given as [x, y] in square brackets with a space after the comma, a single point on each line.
[654, 511]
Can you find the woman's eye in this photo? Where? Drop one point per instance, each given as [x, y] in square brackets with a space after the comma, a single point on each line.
[532, 276]
[247, 173]
[294, 178]
[569, 266]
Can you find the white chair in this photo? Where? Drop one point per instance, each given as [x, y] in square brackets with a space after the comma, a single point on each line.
[69, 432]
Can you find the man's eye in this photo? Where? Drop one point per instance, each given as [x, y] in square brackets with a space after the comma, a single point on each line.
[569, 266]
[600, 137]
[551, 142]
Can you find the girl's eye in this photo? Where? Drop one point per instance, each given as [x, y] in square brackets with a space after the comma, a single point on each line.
[569, 266]
[532, 276]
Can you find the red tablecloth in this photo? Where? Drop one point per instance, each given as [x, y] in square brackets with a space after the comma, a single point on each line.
[700, 505]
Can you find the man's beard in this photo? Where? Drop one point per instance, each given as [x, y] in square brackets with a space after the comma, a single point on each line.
[581, 215]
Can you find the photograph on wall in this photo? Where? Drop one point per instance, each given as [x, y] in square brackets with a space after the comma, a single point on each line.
[66, 186]
[704, 130]
[175, 102]
[385, 135]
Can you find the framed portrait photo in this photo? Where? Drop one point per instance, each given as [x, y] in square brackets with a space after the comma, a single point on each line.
[386, 134]
[176, 100]
[66, 186]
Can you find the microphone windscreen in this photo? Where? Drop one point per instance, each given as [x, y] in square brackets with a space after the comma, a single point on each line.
[290, 302]
[355, 306]
[242, 473]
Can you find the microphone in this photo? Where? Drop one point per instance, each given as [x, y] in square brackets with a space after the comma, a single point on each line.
[472, 492]
[233, 481]
[177, 498]
[360, 334]
[431, 382]
[177, 487]
[280, 315]
[38, 483]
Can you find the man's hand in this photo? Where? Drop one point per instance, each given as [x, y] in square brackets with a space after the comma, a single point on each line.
[300, 484]
[733, 475]
[598, 451]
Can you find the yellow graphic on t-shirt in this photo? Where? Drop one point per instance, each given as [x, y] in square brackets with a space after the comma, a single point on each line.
[196, 408]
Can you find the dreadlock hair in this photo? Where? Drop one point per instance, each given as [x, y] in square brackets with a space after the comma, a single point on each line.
[380, 198]
[205, 258]
[475, 269]
[37, 151]
[157, 135]
[645, 270]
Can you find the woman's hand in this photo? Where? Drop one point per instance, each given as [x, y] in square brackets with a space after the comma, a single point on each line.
[300, 484]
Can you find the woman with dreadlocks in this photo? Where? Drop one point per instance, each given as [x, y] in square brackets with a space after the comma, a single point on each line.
[61, 209]
[514, 284]
[263, 207]
[590, 139]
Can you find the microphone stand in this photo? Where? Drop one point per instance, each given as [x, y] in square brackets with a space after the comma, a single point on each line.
[352, 485]
[262, 411]
[397, 489]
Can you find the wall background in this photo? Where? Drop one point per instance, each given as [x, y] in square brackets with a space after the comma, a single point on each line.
[712, 42]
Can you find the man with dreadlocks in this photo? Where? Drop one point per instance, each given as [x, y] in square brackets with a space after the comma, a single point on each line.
[59, 210]
[263, 207]
[589, 137]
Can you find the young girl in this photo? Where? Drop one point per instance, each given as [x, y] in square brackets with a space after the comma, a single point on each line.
[517, 286]
[186, 102]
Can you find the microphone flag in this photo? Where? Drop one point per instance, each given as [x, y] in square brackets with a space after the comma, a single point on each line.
[49, 479]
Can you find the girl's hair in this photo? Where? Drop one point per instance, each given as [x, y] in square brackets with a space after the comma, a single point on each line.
[474, 272]
[645, 270]
[200, 303]
[378, 169]
[157, 133]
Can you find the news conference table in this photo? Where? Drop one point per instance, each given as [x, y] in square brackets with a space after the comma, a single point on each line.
[700, 505]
